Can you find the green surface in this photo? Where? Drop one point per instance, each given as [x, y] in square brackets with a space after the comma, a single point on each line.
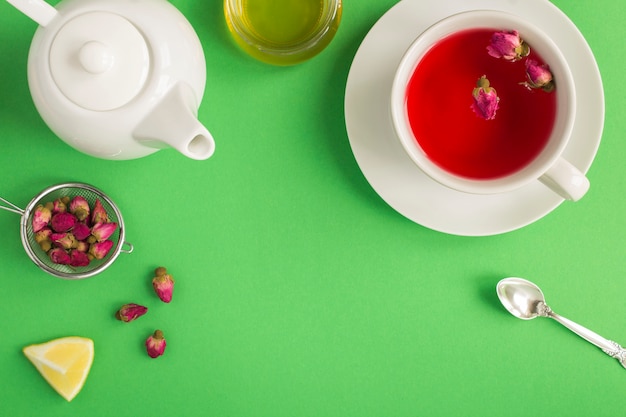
[299, 291]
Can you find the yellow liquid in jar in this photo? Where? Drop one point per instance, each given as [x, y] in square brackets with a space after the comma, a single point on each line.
[280, 28]
[282, 22]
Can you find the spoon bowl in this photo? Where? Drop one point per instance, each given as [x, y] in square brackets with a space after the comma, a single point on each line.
[520, 297]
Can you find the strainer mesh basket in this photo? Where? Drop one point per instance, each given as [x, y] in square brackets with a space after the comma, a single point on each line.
[71, 190]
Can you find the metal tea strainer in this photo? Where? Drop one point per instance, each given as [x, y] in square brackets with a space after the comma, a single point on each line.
[71, 190]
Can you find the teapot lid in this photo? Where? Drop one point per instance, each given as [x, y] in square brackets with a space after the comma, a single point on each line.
[99, 60]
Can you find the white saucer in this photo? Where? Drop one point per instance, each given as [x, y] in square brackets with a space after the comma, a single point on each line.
[398, 180]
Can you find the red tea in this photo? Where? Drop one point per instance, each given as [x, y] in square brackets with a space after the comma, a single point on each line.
[439, 99]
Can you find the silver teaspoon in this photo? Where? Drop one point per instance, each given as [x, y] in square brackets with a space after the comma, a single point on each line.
[525, 300]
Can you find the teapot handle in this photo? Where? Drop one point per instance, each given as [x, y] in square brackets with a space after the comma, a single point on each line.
[38, 10]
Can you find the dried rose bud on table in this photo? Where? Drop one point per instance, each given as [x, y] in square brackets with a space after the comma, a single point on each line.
[163, 284]
[155, 344]
[130, 312]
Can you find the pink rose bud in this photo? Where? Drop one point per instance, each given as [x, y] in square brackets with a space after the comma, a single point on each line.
[59, 206]
[62, 222]
[485, 99]
[41, 218]
[539, 76]
[43, 234]
[100, 249]
[43, 238]
[78, 258]
[64, 240]
[163, 284]
[59, 256]
[102, 231]
[79, 207]
[130, 312]
[508, 45]
[155, 344]
[99, 214]
[81, 231]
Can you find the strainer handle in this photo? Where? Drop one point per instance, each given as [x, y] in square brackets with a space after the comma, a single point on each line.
[10, 207]
[128, 247]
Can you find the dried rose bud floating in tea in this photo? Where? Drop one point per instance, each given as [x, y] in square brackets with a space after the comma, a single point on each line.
[486, 99]
[440, 101]
[539, 76]
[508, 45]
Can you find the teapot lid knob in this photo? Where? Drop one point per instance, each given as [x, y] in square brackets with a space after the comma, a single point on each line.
[96, 57]
[99, 61]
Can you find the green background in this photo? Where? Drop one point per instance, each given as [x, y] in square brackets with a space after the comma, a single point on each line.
[299, 292]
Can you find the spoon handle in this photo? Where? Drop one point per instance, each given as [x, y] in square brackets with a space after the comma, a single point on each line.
[608, 346]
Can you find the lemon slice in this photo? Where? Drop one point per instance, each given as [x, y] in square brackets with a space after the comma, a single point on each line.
[63, 362]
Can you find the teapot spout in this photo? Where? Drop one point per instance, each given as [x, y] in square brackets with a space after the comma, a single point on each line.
[173, 122]
[38, 10]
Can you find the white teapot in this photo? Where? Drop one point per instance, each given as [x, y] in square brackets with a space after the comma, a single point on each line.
[118, 79]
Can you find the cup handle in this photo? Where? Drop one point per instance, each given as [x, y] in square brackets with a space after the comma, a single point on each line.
[566, 180]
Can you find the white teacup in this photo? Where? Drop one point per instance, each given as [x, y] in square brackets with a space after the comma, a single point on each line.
[548, 165]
